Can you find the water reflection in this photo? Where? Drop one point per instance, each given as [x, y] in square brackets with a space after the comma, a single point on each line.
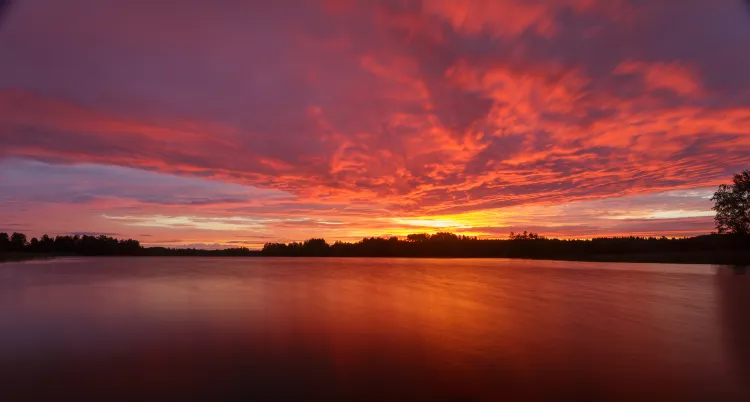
[350, 329]
[733, 289]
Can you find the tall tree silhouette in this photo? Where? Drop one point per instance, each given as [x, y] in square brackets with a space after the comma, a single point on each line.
[17, 241]
[732, 205]
[4, 242]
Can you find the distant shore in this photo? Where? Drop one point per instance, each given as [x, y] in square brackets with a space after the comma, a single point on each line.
[18, 257]
[706, 249]
[737, 259]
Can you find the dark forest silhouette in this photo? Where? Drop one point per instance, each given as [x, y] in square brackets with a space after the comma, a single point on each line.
[102, 245]
[714, 248]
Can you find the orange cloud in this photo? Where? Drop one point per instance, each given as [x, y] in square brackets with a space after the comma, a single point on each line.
[511, 18]
[672, 76]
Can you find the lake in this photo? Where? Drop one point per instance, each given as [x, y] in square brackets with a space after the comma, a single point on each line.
[372, 329]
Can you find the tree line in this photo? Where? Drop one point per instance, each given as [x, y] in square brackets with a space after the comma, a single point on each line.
[714, 248]
[82, 245]
[100, 246]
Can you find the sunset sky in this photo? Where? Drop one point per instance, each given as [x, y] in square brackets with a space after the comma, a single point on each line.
[234, 123]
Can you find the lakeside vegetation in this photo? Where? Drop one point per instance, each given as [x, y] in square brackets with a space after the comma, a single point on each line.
[17, 247]
[709, 249]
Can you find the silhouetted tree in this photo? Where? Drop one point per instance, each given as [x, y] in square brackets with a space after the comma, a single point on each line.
[732, 205]
[315, 247]
[443, 237]
[34, 245]
[17, 241]
[418, 237]
[525, 236]
[46, 244]
[4, 242]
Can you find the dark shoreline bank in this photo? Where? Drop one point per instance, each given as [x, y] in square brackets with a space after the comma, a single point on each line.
[650, 258]
[20, 257]
[708, 249]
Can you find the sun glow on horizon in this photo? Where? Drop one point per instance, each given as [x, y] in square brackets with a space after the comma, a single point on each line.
[431, 223]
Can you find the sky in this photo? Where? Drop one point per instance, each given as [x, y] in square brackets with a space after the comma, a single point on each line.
[234, 123]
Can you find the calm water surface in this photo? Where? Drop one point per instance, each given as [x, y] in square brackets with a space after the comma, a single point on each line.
[372, 329]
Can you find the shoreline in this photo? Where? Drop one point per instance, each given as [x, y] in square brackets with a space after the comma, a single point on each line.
[21, 257]
[672, 258]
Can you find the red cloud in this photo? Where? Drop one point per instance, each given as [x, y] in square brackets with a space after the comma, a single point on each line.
[672, 76]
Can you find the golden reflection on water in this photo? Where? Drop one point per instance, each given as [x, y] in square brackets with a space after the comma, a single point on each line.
[379, 329]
